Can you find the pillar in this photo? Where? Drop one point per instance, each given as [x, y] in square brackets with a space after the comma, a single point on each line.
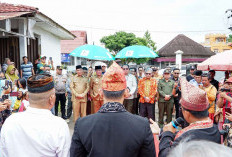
[22, 39]
[179, 58]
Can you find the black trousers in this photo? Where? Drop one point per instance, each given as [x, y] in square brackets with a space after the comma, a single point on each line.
[62, 99]
[177, 107]
[136, 106]
[69, 108]
[147, 110]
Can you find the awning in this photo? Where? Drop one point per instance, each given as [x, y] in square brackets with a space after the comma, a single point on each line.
[4, 16]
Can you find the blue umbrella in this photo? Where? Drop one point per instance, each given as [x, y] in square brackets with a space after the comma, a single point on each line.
[92, 52]
[136, 51]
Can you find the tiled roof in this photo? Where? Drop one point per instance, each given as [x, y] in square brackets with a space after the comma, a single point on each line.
[67, 46]
[185, 44]
[7, 8]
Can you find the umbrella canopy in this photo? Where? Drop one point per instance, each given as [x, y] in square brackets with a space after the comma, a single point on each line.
[220, 62]
[136, 51]
[92, 52]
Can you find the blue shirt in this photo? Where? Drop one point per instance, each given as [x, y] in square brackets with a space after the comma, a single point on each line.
[26, 69]
[194, 82]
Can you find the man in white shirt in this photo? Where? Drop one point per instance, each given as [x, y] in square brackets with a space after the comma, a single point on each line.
[131, 86]
[36, 132]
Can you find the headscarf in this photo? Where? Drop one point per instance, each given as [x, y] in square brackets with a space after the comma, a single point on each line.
[11, 77]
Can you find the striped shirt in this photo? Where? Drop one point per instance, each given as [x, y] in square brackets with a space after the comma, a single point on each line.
[26, 69]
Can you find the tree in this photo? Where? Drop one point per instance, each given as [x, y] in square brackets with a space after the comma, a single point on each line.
[229, 39]
[150, 42]
[119, 40]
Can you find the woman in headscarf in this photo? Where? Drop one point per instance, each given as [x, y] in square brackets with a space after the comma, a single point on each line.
[10, 74]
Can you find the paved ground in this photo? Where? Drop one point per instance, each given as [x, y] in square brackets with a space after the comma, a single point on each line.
[71, 125]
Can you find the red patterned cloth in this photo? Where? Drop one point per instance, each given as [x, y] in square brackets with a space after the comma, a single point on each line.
[114, 78]
[197, 125]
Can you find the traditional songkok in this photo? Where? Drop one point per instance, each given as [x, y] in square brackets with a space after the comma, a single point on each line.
[193, 98]
[40, 83]
[98, 68]
[78, 67]
[84, 68]
[114, 79]
[198, 73]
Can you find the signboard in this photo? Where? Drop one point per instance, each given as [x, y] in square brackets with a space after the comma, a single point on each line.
[65, 57]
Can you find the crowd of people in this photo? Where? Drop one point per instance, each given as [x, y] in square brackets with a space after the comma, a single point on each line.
[113, 110]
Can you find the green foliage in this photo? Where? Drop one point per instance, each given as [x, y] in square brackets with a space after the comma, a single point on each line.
[149, 41]
[120, 40]
[229, 39]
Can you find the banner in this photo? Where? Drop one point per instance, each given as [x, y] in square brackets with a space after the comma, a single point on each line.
[65, 57]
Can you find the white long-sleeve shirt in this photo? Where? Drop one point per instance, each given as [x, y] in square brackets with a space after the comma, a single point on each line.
[34, 133]
[131, 84]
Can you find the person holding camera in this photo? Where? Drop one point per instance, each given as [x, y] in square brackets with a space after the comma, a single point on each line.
[5, 103]
[43, 67]
[225, 98]
[5, 110]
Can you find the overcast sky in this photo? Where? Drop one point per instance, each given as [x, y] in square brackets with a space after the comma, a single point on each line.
[163, 18]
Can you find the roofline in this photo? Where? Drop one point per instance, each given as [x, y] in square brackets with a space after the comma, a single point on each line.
[38, 14]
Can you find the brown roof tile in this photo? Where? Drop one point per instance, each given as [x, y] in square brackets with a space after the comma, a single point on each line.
[7, 8]
[67, 46]
[187, 45]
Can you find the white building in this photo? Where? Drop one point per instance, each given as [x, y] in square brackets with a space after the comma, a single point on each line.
[24, 31]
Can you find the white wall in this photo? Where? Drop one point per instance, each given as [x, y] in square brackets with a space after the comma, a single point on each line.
[50, 45]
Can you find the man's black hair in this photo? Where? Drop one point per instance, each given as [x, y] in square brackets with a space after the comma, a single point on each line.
[113, 94]
[175, 69]
[199, 114]
[24, 57]
[206, 75]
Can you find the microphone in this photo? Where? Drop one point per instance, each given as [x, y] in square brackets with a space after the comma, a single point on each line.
[177, 122]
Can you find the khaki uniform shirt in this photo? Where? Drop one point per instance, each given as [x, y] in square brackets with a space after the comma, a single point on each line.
[95, 86]
[165, 88]
[79, 87]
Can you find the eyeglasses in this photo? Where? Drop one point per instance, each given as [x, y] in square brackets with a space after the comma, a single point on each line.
[176, 73]
[148, 73]
[125, 69]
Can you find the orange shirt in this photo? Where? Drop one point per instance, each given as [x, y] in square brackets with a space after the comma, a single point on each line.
[211, 92]
[147, 88]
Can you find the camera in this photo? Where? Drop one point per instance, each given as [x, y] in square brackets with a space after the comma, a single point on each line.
[4, 97]
[6, 85]
[225, 90]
